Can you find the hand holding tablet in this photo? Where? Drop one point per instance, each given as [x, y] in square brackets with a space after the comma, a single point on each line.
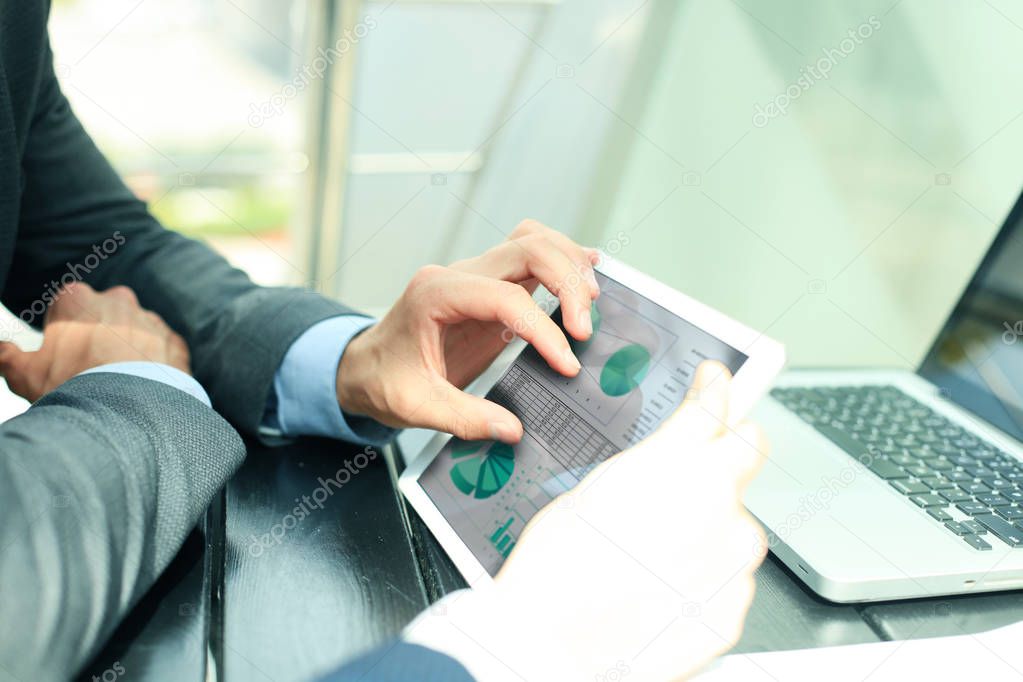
[645, 568]
[647, 340]
[587, 563]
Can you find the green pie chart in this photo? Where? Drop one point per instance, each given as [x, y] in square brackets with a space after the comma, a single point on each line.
[625, 370]
[479, 472]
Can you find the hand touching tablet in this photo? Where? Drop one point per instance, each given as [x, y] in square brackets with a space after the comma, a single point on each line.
[647, 565]
[450, 324]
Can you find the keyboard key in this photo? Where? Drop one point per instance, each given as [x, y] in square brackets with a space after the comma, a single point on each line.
[993, 500]
[886, 469]
[1009, 513]
[972, 508]
[940, 464]
[1014, 495]
[940, 484]
[975, 488]
[910, 487]
[976, 542]
[1003, 530]
[920, 471]
[958, 476]
[939, 514]
[999, 484]
[957, 528]
[974, 527]
[843, 440]
[928, 501]
[955, 496]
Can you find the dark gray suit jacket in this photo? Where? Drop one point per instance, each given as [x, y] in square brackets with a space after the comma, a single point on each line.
[102, 479]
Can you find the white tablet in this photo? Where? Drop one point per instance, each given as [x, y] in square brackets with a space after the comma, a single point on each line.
[648, 339]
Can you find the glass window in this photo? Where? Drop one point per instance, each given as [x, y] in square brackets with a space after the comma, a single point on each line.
[195, 104]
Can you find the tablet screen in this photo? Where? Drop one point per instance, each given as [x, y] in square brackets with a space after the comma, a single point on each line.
[636, 369]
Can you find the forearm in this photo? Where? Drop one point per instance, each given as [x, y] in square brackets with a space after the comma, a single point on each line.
[78, 222]
[237, 333]
[100, 482]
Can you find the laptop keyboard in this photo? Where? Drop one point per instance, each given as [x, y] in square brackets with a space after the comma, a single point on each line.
[965, 484]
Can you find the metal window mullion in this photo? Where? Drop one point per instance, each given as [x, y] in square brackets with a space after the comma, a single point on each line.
[329, 144]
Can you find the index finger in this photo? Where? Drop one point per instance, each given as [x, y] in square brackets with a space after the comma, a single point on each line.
[463, 296]
[537, 257]
[582, 258]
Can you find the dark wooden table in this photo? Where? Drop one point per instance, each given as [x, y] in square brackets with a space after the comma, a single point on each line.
[258, 593]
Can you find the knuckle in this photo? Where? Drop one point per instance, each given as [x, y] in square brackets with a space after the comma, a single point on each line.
[425, 277]
[123, 292]
[75, 288]
[527, 226]
[536, 243]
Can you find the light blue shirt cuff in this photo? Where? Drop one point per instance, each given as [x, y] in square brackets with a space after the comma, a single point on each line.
[304, 399]
[155, 371]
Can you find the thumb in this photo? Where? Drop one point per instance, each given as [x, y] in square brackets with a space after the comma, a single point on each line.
[14, 368]
[469, 417]
[704, 413]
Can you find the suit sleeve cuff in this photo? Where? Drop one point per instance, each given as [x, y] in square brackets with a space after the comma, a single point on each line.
[303, 401]
[156, 371]
[451, 628]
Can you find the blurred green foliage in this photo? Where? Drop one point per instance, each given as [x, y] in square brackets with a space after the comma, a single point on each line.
[208, 211]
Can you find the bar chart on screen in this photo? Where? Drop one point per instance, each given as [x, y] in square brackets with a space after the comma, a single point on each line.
[502, 539]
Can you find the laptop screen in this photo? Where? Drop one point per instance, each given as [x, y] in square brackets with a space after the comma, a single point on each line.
[977, 359]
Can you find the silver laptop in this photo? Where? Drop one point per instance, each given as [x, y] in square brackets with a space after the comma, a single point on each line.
[894, 484]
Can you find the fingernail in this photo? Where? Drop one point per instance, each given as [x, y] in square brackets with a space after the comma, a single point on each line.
[571, 359]
[592, 279]
[585, 321]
